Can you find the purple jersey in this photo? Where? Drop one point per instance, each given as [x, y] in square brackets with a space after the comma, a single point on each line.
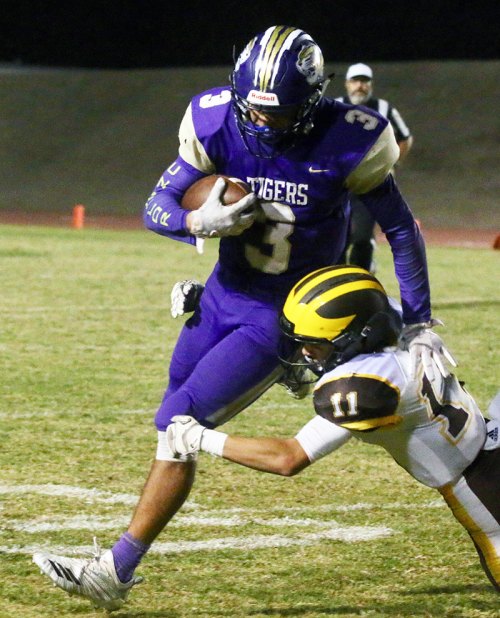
[304, 217]
[226, 355]
[303, 222]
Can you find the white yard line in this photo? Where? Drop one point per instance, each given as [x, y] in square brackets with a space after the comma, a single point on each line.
[96, 523]
[350, 534]
[96, 495]
[68, 491]
[56, 524]
[321, 530]
[60, 413]
[149, 411]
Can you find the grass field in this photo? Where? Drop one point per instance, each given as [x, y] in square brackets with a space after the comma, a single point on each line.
[85, 339]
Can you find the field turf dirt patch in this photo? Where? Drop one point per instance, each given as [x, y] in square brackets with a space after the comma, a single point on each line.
[449, 237]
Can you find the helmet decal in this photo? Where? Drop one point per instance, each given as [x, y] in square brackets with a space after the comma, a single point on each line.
[245, 54]
[310, 63]
[262, 98]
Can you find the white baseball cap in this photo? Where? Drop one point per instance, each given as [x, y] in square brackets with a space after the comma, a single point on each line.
[359, 70]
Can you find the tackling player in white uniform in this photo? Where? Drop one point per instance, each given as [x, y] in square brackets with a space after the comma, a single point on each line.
[341, 319]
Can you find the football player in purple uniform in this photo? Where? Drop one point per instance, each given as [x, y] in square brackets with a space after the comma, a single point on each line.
[429, 423]
[301, 153]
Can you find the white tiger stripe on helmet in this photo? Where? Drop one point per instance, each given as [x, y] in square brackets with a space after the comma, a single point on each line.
[271, 54]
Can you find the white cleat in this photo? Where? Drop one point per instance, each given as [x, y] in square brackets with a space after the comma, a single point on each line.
[93, 578]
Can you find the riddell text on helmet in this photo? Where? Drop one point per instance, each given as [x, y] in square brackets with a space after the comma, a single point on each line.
[255, 96]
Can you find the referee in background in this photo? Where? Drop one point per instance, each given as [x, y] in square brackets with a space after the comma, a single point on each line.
[359, 89]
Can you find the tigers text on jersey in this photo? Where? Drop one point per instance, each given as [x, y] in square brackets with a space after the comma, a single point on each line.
[432, 429]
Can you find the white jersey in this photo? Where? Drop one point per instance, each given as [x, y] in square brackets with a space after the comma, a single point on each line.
[431, 426]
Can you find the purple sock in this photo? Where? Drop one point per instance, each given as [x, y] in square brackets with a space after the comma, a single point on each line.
[127, 553]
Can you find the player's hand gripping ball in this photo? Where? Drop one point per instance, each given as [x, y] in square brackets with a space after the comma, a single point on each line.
[198, 192]
[219, 206]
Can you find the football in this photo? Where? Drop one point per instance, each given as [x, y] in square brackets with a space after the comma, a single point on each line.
[197, 193]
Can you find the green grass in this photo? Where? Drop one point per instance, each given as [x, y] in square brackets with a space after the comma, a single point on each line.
[85, 341]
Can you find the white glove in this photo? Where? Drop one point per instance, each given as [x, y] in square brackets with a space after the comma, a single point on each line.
[184, 437]
[185, 296]
[427, 348]
[214, 219]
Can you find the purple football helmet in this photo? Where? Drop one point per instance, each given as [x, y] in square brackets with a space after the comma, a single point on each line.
[280, 71]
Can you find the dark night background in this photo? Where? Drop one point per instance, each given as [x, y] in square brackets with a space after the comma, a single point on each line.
[102, 137]
[148, 33]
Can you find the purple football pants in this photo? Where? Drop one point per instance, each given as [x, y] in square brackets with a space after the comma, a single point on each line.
[225, 357]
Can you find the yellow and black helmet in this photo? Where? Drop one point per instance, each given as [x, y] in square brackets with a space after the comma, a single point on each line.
[329, 301]
[343, 305]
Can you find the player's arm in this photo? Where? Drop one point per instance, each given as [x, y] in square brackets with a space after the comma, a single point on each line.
[163, 213]
[375, 187]
[282, 456]
[405, 146]
[403, 136]
[285, 457]
[396, 220]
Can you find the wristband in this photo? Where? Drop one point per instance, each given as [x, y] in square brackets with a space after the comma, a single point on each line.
[213, 441]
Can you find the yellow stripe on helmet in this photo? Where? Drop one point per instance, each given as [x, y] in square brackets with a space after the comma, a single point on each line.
[345, 288]
[306, 322]
[310, 281]
[302, 305]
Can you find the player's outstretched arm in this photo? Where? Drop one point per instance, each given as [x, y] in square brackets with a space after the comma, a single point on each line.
[285, 457]
[280, 456]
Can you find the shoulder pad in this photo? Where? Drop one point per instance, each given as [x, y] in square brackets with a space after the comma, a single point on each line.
[210, 109]
[358, 402]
